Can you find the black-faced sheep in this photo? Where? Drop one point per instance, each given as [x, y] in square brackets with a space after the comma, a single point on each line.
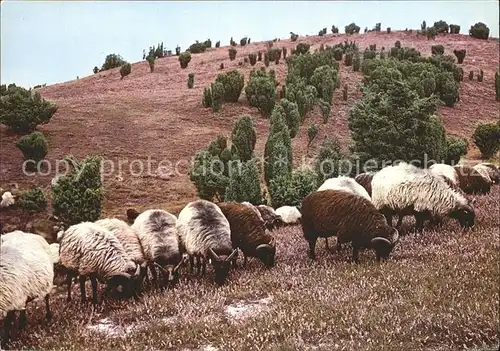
[351, 218]
[26, 273]
[471, 181]
[248, 233]
[365, 180]
[271, 219]
[407, 190]
[159, 239]
[205, 234]
[89, 250]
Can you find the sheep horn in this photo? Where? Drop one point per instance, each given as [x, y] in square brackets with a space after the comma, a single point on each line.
[184, 258]
[137, 271]
[379, 239]
[214, 255]
[261, 246]
[161, 268]
[231, 255]
[395, 236]
[272, 243]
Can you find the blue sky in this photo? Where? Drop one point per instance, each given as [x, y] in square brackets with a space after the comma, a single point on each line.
[55, 41]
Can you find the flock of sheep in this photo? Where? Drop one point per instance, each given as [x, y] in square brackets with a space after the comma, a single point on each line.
[156, 243]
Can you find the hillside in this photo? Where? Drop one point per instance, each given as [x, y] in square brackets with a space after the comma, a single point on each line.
[155, 115]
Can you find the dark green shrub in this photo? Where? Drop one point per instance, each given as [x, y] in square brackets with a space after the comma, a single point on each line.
[252, 58]
[441, 27]
[428, 84]
[369, 54]
[378, 27]
[487, 139]
[243, 138]
[447, 88]
[232, 53]
[322, 32]
[278, 148]
[198, 47]
[190, 82]
[184, 59]
[233, 82]
[33, 201]
[337, 54]
[325, 108]
[328, 162]
[397, 44]
[356, 61]
[303, 95]
[217, 90]
[373, 47]
[460, 54]
[274, 54]
[177, 50]
[261, 93]
[34, 147]
[217, 44]
[292, 116]
[497, 85]
[437, 49]
[291, 189]
[388, 30]
[259, 56]
[266, 59]
[344, 93]
[312, 132]
[293, 36]
[431, 33]
[151, 62]
[325, 79]
[348, 58]
[456, 148]
[454, 29]
[125, 70]
[352, 29]
[232, 42]
[423, 26]
[96, 69]
[23, 110]
[243, 41]
[206, 101]
[244, 183]
[480, 76]
[302, 48]
[78, 196]
[245, 60]
[335, 30]
[112, 61]
[479, 31]
[471, 75]
[207, 174]
[284, 53]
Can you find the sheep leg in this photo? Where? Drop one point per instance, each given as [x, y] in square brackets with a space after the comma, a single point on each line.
[419, 222]
[203, 266]
[355, 253]
[191, 264]
[326, 244]
[245, 259]
[6, 328]
[83, 294]
[312, 248]
[154, 275]
[22, 319]
[69, 281]
[339, 245]
[93, 281]
[48, 313]
[198, 265]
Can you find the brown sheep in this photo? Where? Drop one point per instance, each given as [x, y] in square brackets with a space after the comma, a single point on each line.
[471, 181]
[248, 233]
[365, 180]
[350, 218]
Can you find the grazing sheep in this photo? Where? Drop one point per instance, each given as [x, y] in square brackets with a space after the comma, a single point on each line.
[129, 238]
[289, 214]
[132, 215]
[205, 233]
[271, 219]
[7, 199]
[487, 173]
[345, 184]
[351, 218]
[365, 180]
[248, 233]
[406, 191]
[26, 274]
[493, 171]
[158, 236]
[89, 250]
[445, 171]
[471, 181]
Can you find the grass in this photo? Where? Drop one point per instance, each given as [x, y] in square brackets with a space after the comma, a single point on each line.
[439, 291]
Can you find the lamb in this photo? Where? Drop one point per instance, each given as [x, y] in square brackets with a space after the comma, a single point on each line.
[345, 184]
[271, 219]
[159, 238]
[7, 199]
[26, 273]
[351, 218]
[205, 233]
[405, 190]
[493, 171]
[445, 171]
[129, 238]
[471, 181]
[289, 214]
[365, 180]
[89, 250]
[248, 233]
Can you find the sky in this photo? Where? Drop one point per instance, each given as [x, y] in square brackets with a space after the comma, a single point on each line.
[55, 41]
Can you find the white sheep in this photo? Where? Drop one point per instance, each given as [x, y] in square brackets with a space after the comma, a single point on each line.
[7, 199]
[26, 274]
[158, 236]
[205, 233]
[485, 172]
[405, 189]
[445, 171]
[289, 214]
[346, 184]
[89, 250]
[493, 171]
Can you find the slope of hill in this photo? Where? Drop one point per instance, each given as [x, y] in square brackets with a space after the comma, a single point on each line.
[155, 116]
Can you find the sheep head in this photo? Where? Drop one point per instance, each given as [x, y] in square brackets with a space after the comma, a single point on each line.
[465, 215]
[221, 266]
[383, 246]
[266, 253]
[128, 281]
[170, 269]
[132, 214]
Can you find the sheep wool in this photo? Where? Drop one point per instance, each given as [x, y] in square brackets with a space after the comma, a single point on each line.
[445, 171]
[345, 184]
[484, 171]
[289, 214]
[20, 239]
[365, 180]
[246, 203]
[493, 171]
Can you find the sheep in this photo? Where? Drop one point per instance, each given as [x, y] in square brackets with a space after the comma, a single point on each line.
[408, 190]
[345, 184]
[89, 250]
[132, 215]
[26, 273]
[471, 181]
[129, 238]
[445, 171]
[351, 218]
[289, 214]
[365, 180]
[246, 203]
[248, 233]
[7, 199]
[159, 238]
[493, 172]
[271, 219]
[205, 233]
[487, 172]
